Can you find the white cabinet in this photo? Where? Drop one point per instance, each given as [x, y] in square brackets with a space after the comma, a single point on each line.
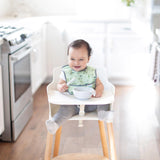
[127, 55]
[38, 59]
[56, 48]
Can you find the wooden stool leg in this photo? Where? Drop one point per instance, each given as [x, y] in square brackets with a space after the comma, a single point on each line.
[111, 141]
[57, 142]
[103, 138]
[48, 149]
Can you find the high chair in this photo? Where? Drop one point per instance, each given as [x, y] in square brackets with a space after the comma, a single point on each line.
[55, 99]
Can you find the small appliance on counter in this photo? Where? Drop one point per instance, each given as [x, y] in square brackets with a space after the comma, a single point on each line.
[16, 79]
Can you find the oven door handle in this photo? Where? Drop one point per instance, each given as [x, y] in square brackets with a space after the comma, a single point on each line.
[22, 54]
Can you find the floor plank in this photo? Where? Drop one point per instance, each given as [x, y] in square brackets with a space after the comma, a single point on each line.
[136, 129]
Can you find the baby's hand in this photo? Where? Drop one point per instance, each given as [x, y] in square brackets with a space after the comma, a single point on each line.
[99, 88]
[62, 87]
[98, 93]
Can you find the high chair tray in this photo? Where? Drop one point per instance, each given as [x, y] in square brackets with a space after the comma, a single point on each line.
[55, 97]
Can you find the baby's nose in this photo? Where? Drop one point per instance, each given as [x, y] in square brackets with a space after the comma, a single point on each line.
[76, 62]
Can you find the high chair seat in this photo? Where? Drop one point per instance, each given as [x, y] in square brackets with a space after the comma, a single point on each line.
[55, 99]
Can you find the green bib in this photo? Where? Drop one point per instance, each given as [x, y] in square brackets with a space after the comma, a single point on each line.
[86, 77]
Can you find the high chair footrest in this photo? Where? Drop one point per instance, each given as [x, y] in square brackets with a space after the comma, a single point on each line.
[80, 156]
[88, 116]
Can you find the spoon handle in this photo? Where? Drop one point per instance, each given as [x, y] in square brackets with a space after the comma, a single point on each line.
[70, 81]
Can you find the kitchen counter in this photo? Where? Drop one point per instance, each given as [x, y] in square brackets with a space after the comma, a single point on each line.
[59, 19]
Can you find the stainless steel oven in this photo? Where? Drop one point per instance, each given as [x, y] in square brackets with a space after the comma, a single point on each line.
[20, 80]
[16, 79]
[20, 85]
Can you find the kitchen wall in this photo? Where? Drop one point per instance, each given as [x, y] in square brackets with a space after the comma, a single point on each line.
[4, 7]
[23, 8]
[94, 9]
[86, 8]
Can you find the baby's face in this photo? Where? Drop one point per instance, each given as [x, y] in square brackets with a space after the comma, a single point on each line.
[78, 58]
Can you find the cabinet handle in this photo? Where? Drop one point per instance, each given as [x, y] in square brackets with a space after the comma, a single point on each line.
[35, 50]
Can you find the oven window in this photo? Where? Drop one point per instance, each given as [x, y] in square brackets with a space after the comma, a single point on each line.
[22, 76]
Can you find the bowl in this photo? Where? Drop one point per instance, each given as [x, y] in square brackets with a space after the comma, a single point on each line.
[83, 92]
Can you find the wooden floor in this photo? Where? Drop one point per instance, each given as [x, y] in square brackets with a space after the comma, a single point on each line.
[137, 132]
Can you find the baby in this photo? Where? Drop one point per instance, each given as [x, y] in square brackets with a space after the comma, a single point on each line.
[79, 53]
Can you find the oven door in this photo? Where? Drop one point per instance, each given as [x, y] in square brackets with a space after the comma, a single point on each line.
[20, 80]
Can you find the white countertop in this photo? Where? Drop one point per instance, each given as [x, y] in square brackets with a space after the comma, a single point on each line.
[58, 19]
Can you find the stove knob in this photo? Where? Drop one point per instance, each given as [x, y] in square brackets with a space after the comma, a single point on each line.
[19, 40]
[12, 42]
[23, 36]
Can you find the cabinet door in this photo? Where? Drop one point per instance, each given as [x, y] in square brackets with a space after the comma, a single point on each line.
[127, 55]
[38, 61]
[56, 46]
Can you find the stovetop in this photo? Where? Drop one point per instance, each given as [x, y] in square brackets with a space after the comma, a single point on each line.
[7, 30]
[13, 37]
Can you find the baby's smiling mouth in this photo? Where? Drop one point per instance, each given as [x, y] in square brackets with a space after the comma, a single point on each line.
[77, 67]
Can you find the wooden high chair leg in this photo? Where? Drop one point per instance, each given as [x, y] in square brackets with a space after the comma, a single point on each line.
[103, 138]
[48, 149]
[111, 141]
[57, 142]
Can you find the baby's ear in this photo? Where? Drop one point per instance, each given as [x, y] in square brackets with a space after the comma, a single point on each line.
[89, 58]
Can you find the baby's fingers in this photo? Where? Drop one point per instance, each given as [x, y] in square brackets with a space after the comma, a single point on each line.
[64, 88]
[98, 95]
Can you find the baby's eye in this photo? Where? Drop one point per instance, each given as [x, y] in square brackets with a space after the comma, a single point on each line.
[81, 59]
[72, 59]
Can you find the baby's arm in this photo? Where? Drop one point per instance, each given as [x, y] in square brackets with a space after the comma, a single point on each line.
[62, 85]
[99, 88]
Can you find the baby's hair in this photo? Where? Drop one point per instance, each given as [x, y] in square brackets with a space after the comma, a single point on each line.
[78, 44]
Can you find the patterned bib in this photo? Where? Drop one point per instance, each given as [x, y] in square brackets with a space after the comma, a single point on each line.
[86, 77]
